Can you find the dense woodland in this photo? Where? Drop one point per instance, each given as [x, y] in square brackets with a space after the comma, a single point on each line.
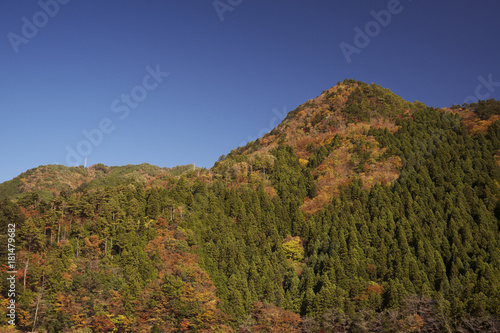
[234, 249]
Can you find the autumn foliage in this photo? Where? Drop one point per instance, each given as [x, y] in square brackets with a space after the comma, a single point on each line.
[360, 212]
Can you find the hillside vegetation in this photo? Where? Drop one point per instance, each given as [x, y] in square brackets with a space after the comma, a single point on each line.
[360, 212]
[51, 180]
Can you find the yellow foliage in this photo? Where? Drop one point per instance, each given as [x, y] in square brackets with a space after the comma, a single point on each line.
[303, 162]
[293, 248]
[4, 302]
[122, 321]
[24, 317]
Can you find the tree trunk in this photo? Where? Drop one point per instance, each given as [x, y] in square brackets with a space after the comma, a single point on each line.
[78, 247]
[36, 311]
[25, 272]
[37, 304]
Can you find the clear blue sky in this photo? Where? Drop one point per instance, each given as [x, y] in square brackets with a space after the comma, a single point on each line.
[225, 76]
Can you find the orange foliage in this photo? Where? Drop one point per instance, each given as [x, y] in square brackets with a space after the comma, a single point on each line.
[8, 329]
[102, 323]
[471, 121]
[197, 292]
[66, 305]
[373, 288]
[416, 323]
[161, 222]
[338, 169]
[271, 192]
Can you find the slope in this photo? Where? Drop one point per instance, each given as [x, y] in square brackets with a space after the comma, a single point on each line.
[330, 135]
[51, 180]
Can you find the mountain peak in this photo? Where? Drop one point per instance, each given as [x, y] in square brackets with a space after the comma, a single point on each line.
[335, 111]
[330, 135]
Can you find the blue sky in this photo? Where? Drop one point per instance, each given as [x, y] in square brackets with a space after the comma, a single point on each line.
[232, 70]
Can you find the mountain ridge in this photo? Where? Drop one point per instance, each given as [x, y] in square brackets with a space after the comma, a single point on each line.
[345, 113]
[55, 178]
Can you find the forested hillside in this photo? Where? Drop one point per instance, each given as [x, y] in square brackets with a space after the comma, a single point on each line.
[51, 180]
[361, 212]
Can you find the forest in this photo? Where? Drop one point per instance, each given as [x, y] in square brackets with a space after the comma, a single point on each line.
[263, 242]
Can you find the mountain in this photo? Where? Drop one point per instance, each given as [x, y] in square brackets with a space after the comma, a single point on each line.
[332, 135]
[360, 212]
[51, 180]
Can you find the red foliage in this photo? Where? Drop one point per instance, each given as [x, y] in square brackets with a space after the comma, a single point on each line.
[102, 323]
